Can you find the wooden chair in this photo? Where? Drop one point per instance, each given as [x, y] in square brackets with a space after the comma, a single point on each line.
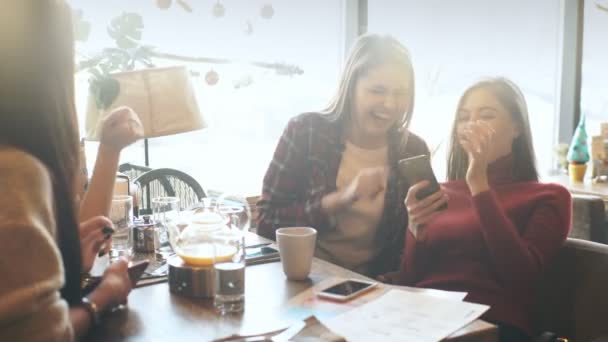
[133, 171]
[589, 218]
[168, 182]
[572, 299]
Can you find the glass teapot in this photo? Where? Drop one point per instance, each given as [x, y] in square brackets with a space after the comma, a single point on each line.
[197, 237]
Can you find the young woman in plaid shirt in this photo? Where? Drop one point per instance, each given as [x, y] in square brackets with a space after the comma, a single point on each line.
[335, 170]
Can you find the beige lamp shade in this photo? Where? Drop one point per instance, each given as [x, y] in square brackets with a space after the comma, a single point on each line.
[163, 98]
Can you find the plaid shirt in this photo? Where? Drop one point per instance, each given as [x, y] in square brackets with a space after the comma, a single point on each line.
[304, 169]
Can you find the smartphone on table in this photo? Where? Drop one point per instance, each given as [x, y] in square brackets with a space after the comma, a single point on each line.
[347, 290]
[261, 255]
[416, 169]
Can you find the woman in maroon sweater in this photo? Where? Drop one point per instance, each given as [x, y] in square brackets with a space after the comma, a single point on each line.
[502, 227]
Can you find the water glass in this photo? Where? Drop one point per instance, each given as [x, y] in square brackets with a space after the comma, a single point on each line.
[229, 268]
[236, 211]
[121, 214]
[165, 211]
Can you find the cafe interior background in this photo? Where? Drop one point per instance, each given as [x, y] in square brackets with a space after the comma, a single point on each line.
[255, 64]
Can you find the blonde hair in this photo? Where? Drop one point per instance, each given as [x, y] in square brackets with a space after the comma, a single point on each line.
[370, 51]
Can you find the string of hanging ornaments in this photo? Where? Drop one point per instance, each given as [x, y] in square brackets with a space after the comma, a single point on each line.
[130, 52]
[218, 11]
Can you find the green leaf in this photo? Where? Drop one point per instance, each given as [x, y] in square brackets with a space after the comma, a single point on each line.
[126, 30]
[81, 28]
[105, 90]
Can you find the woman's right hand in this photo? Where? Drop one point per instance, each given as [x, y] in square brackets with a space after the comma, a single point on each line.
[366, 185]
[92, 238]
[120, 129]
[114, 287]
[422, 211]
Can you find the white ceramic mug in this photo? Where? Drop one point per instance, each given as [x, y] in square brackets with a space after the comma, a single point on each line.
[296, 247]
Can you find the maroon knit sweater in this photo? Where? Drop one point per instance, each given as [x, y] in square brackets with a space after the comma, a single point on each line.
[494, 245]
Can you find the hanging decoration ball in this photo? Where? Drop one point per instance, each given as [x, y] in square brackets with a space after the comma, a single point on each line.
[248, 28]
[267, 11]
[212, 77]
[218, 10]
[163, 4]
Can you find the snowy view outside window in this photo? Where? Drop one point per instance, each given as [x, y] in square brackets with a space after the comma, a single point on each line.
[249, 106]
[455, 43]
[594, 89]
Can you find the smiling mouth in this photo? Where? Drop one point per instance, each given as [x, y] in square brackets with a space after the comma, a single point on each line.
[381, 117]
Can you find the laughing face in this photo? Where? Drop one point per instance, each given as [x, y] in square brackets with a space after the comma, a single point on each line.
[382, 96]
[482, 105]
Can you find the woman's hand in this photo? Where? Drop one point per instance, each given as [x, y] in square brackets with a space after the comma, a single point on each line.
[114, 287]
[92, 237]
[420, 212]
[120, 129]
[368, 184]
[476, 140]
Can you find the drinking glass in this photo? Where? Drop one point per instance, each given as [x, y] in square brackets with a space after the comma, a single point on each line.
[236, 211]
[229, 268]
[121, 214]
[165, 211]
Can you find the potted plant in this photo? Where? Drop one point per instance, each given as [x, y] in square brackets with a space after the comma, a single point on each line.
[578, 153]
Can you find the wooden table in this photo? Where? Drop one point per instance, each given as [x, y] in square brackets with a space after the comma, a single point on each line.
[154, 314]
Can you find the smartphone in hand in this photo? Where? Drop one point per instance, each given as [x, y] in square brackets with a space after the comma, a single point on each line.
[135, 271]
[415, 170]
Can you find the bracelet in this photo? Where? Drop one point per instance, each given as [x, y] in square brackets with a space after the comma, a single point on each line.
[93, 310]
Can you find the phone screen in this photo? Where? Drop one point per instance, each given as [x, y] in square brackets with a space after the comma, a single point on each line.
[347, 288]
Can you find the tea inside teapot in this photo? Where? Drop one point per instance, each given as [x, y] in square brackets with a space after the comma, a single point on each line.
[195, 243]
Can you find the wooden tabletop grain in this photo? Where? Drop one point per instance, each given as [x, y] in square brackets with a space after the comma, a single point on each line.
[154, 314]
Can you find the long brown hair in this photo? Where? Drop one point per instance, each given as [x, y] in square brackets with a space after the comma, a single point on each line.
[511, 97]
[37, 113]
[369, 51]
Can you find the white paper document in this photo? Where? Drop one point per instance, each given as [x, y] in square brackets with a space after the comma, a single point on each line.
[452, 295]
[405, 316]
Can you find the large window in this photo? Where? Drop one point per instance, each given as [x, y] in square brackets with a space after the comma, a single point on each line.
[455, 43]
[594, 89]
[249, 106]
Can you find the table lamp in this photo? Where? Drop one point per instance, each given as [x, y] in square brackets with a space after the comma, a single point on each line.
[163, 98]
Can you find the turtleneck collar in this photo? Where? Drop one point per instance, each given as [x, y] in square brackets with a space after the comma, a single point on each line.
[501, 170]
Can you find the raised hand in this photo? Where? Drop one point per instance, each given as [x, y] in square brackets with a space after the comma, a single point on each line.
[476, 139]
[120, 128]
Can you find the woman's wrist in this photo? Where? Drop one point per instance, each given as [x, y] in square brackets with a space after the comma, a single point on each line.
[100, 297]
[93, 309]
[478, 185]
[109, 150]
